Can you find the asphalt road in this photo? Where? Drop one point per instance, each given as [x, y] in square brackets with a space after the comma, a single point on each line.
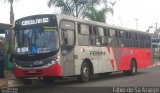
[149, 77]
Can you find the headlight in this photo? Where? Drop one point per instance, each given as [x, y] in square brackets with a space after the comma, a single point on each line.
[54, 60]
[57, 58]
[17, 65]
[51, 63]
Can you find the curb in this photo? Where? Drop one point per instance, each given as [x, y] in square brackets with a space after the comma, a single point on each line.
[14, 83]
[154, 65]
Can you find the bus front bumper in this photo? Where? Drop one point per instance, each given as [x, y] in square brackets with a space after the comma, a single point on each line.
[53, 71]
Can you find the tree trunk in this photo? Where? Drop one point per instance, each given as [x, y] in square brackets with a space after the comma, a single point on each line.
[11, 14]
[11, 32]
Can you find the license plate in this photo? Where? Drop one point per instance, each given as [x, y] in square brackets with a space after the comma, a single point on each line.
[32, 71]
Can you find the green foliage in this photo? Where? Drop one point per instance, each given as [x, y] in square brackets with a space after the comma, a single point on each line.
[98, 15]
[83, 8]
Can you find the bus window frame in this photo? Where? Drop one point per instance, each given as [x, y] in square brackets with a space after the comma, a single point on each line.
[90, 34]
[115, 44]
[65, 47]
[104, 36]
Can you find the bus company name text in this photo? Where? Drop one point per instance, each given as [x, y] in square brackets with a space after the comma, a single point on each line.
[36, 21]
[97, 53]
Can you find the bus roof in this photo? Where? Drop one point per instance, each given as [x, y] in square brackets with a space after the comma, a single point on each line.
[98, 23]
[62, 16]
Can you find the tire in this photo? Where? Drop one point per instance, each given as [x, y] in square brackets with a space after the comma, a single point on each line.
[133, 69]
[85, 73]
[48, 80]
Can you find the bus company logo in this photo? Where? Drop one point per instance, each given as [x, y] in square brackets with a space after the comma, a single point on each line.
[36, 21]
[97, 53]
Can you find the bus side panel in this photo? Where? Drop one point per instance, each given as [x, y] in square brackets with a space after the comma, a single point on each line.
[143, 58]
[108, 60]
[124, 58]
[138, 55]
[102, 59]
[114, 59]
[85, 52]
[146, 58]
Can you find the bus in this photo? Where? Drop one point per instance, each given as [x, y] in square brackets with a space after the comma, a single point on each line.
[52, 46]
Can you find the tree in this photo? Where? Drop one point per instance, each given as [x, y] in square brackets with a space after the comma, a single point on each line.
[11, 10]
[98, 15]
[83, 8]
[74, 8]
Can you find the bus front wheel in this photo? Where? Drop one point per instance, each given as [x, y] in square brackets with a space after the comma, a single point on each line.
[85, 72]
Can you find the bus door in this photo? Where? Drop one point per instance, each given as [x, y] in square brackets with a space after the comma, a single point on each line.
[67, 29]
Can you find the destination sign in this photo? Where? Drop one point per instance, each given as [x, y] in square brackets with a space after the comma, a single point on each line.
[35, 21]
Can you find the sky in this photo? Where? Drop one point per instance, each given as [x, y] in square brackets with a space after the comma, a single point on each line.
[147, 12]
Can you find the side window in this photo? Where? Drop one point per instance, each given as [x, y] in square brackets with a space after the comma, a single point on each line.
[133, 39]
[124, 41]
[112, 38]
[84, 29]
[147, 41]
[127, 35]
[106, 32]
[112, 33]
[141, 41]
[84, 36]
[67, 34]
[123, 34]
[101, 38]
[133, 36]
[100, 31]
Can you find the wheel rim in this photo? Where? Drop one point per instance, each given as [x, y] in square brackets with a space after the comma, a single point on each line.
[133, 68]
[85, 72]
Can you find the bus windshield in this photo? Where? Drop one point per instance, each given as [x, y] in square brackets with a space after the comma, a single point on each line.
[37, 40]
